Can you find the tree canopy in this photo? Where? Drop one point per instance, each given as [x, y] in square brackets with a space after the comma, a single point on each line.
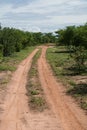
[13, 40]
[75, 40]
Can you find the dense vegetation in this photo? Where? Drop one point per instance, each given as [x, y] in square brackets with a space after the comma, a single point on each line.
[10, 63]
[13, 40]
[75, 40]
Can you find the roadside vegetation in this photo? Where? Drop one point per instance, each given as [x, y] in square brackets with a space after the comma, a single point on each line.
[76, 84]
[75, 40]
[14, 40]
[69, 61]
[10, 63]
[34, 90]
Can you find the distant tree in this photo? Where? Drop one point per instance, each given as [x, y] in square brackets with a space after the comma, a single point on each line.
[8, 41]
[0, 26]
[1, 51]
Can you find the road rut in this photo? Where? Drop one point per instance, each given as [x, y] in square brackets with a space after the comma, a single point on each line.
[68, 114]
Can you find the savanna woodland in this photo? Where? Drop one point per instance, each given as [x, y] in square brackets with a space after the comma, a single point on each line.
[68, 56]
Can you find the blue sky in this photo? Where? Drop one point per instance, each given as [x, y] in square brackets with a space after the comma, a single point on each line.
[42, 15]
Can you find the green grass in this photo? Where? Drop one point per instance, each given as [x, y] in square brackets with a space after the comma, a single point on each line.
[34, 92]
[37, 101]
[84, 105]
[62, 66]
[5, 67]
[33, 70]
[4, 81]
[36, 57]
[72, 83]
[57, 60]
[10, 63]
[24, 53]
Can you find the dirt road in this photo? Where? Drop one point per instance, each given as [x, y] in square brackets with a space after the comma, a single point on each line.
[15, 106]
[63, 114]
[69, 115]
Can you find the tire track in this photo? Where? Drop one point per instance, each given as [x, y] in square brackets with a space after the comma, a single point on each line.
[13, 107]
[69, 115]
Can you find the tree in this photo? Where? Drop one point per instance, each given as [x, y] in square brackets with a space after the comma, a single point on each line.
[0, 26]
[75, 39]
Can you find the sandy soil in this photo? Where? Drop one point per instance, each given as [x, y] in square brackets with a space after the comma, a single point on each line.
[62, 114]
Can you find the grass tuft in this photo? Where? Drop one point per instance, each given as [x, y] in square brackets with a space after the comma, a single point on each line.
[34, 91]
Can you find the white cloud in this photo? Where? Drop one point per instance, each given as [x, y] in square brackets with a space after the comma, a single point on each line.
[34, 29]
[43, 14]
[5, 9]
[40, 6]
[68, 19]
[77, 3]
[46, 6]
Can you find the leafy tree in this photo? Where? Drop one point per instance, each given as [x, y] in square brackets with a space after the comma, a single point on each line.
[13, 40]
[0, 26]
[75, 39]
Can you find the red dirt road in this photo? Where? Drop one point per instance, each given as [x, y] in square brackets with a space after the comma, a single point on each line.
[15, 105]
[62, 114]
[69, 115]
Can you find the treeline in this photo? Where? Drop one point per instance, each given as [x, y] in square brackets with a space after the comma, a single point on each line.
[13, 40]
[75, 40]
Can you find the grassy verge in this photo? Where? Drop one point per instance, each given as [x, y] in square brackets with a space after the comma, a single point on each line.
[10, 63]
[76, 85]
[34, 91]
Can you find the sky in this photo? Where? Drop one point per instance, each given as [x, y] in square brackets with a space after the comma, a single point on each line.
[42, 15]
